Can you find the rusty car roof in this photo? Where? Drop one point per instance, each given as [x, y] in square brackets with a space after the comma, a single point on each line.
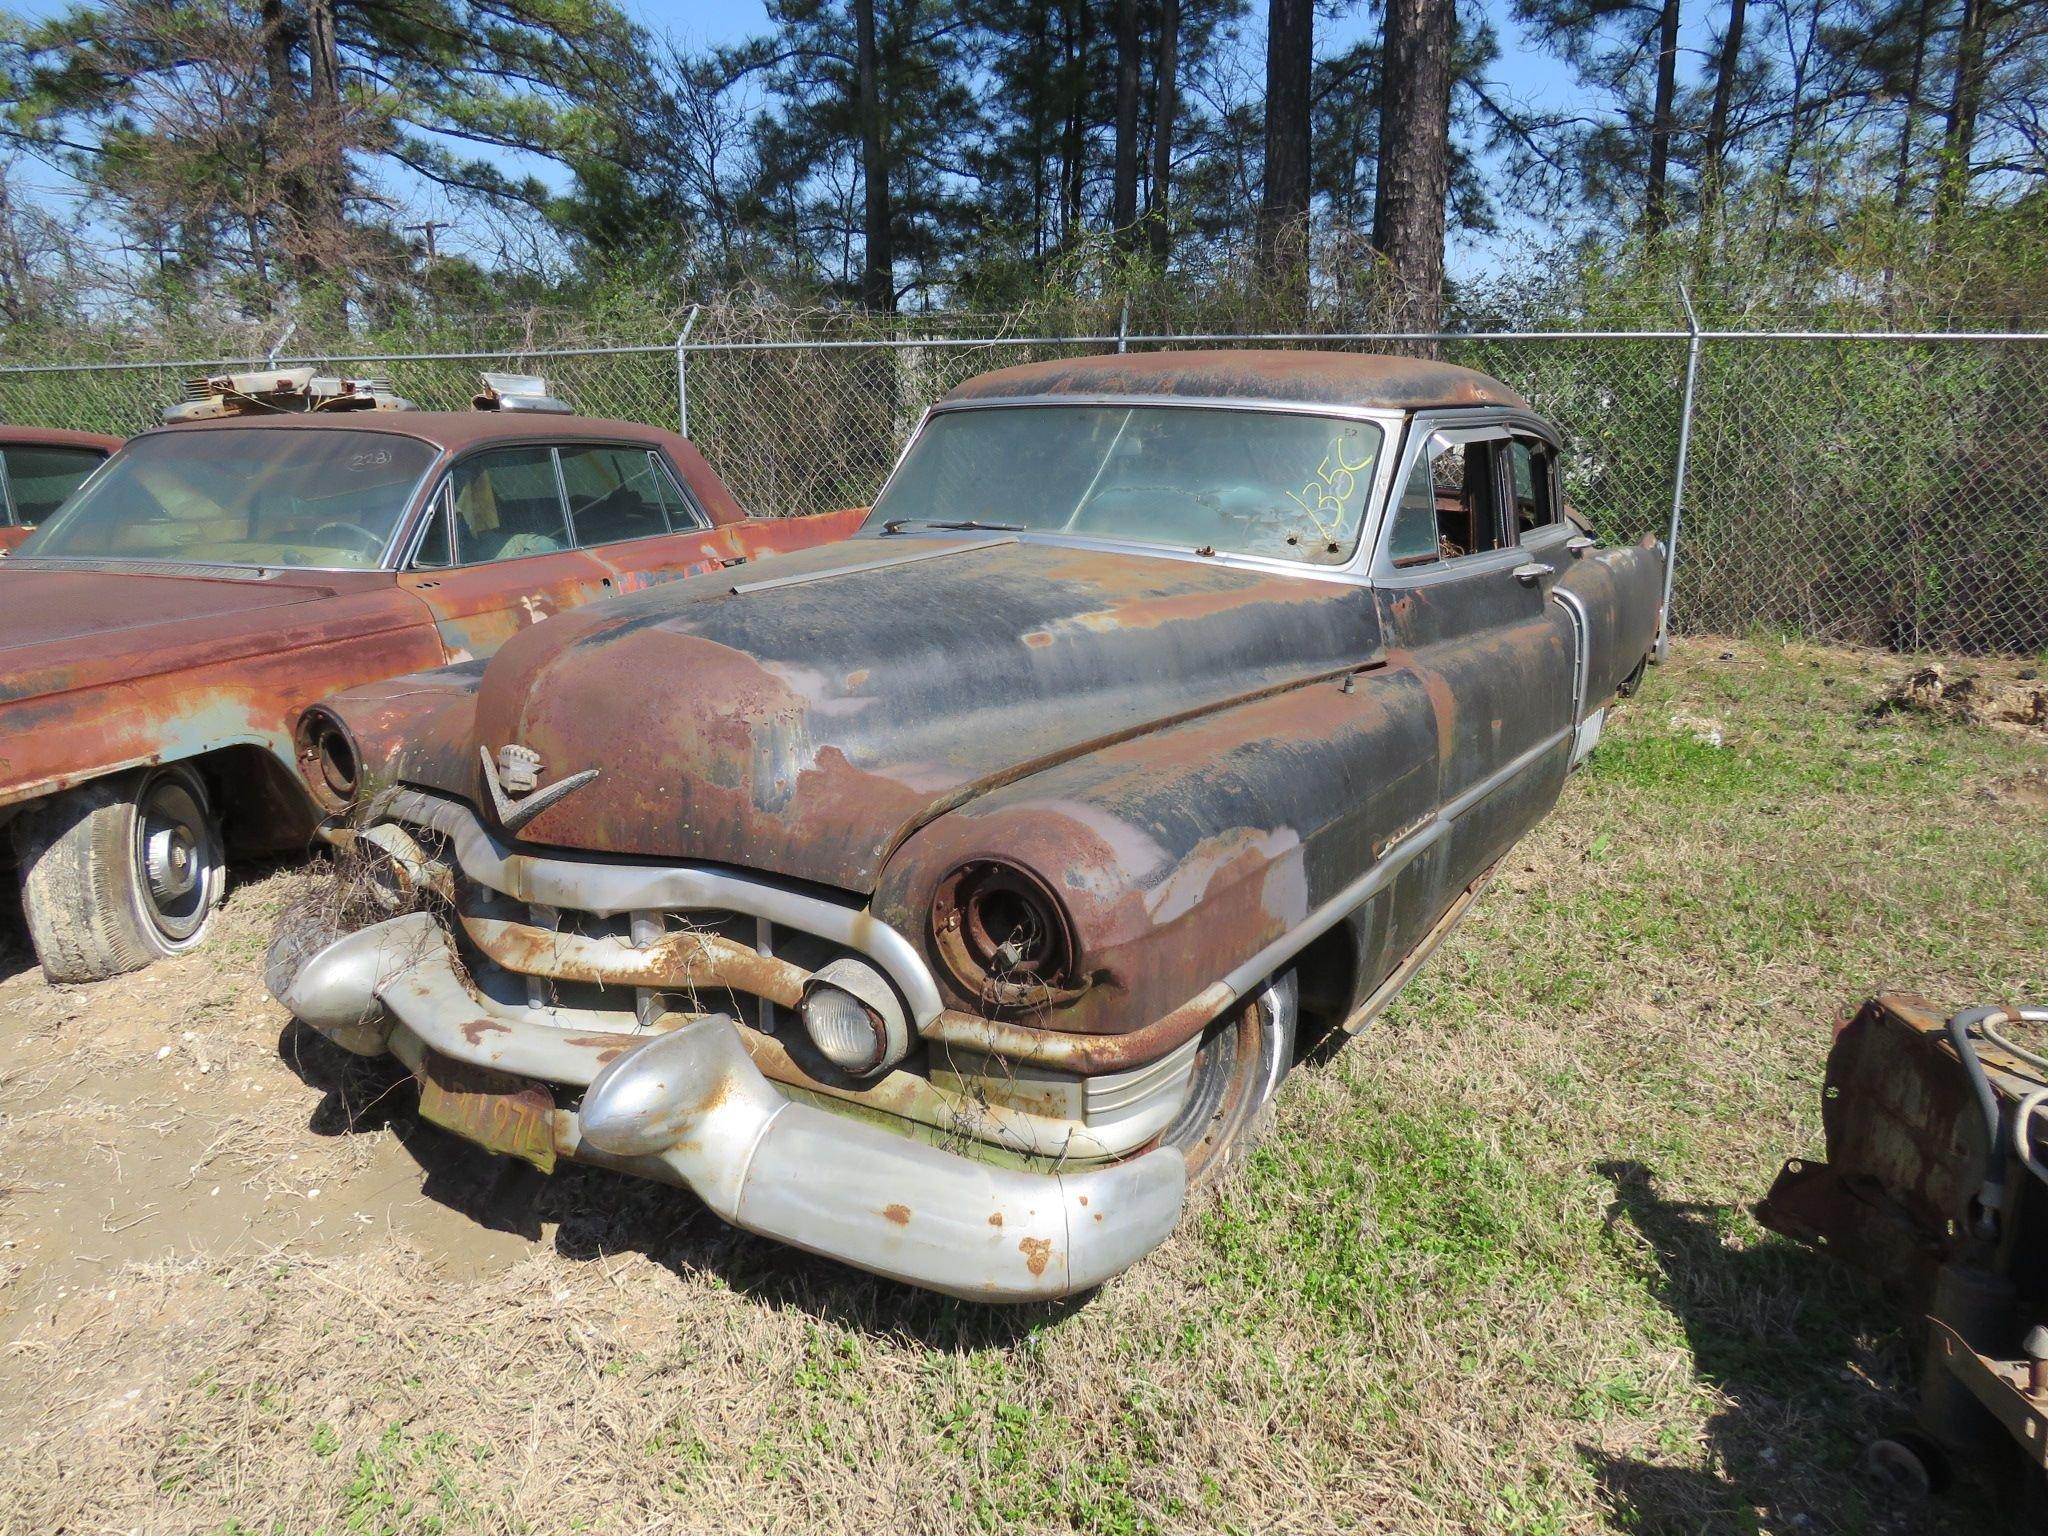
[458, 431]
[54, 437]
[1363, 379]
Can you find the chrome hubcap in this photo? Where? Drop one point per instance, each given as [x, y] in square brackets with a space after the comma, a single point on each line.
[177, 855]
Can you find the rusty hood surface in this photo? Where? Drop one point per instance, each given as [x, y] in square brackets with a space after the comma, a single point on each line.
[62, 630]
[806, 726]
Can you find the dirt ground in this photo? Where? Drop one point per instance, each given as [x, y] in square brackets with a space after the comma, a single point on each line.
[1493, 1271]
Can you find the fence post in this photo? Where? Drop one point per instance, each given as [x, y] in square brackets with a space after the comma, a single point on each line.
[1123, 324]
[683, 373]
[1692, 369]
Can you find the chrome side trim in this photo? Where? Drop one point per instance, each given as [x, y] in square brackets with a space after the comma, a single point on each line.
[609, 886]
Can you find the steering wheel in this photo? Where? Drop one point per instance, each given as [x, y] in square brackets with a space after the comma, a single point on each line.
[373, 543]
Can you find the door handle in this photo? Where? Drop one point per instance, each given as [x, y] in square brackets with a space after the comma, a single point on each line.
[1528, 575]
[1580, 544]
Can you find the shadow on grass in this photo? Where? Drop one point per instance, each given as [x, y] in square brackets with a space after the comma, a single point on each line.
[1813, 1363]
[594, 1213]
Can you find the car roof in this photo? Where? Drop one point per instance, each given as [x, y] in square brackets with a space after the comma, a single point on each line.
[458, 431]
[54, 437]
[447, 430]
[1359, 379]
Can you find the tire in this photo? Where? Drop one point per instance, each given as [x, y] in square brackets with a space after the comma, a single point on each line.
[1238, 1070]
[119, 873]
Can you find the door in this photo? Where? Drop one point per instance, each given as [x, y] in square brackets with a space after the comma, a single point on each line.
[495, 554]
[1470, 606]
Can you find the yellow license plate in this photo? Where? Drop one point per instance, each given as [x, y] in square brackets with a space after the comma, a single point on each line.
[512, 1115]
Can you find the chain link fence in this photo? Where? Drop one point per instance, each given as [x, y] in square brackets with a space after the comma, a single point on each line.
[1878, 490]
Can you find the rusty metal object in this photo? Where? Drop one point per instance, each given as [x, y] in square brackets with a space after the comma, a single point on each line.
[1350, 379]
[1089, 805]
[506, 1114]
[1926, 1188]
[683, 961]
[109, 665]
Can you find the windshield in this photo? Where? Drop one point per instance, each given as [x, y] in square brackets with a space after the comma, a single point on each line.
[1287, 486]
[248, 496]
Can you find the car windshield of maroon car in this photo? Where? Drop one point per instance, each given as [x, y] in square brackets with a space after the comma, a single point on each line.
[243, 496]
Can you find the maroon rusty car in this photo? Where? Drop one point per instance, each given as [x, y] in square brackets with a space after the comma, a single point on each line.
[39, 467]
[946, 900]
[160, 637]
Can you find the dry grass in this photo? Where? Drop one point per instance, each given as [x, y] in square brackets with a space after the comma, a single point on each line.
[1493, 1271]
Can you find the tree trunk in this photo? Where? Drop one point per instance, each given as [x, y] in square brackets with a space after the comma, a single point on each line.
[1123, 213]
[1959, 141]
[1165, 107]
[1902, 183]
[1715, 157]
[1663, 124]
[1283, 212]
[1074, 138]
[1414, 177]
[878, 246]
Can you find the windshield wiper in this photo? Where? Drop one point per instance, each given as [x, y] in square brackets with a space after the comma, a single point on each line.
[954, 525]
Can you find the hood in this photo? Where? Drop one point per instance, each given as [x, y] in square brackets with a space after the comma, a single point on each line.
[806, 722]
[63, 629]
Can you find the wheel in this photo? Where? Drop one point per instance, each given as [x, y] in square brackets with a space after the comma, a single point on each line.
[1237, 1071]
[1909, 1466]
[120, 872]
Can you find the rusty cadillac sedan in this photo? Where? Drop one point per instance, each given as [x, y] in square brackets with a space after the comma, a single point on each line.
[948, 901]
[289, 536]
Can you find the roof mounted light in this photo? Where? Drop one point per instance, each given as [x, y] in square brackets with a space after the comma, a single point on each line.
[519, 392]
[280, 391]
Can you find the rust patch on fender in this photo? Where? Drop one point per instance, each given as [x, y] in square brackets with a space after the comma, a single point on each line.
[1037, 1253]
[900, 1214]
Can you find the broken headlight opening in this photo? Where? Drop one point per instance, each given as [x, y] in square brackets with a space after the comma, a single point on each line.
[1004, 937]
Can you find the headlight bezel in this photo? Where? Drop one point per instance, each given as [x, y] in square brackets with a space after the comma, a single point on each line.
[1004, 938]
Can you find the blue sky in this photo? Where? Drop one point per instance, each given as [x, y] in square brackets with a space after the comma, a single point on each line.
[1520, 73]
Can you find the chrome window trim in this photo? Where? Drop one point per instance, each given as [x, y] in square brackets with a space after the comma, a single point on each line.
[438, 505]
[9, 518]
[1350, 570]
[449, 465]
[683, 494]
[1486, 424]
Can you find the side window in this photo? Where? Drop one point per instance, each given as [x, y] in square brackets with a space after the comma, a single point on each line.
[38, 479]
[1447, 507]
[1535, 491]
[619, 493]
[507, 504]
[434, 552]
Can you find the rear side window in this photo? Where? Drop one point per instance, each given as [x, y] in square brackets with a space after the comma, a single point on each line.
[1534, 485]
[507, 504]
[1447, 507]
[621, 493]
[38, 479]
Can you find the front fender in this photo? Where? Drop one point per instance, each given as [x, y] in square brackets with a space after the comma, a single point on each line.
[1182, 854]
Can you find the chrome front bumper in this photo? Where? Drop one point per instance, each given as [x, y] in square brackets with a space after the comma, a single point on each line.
[688, 1106]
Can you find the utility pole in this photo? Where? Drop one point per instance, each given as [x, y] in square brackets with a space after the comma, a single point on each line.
[427, 229]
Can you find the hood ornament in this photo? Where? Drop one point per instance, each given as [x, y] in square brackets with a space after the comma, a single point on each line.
[513, 779]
